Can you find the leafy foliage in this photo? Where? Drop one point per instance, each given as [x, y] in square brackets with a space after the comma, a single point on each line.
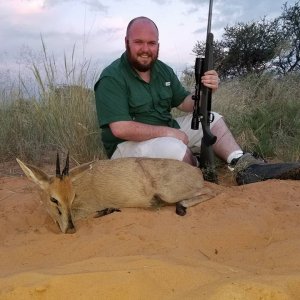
[288, 59]
[257, 47]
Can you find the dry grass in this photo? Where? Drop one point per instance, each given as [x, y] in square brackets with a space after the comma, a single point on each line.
[60, 117]
[263, 113]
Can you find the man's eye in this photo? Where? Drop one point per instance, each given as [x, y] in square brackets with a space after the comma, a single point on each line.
[53, 200]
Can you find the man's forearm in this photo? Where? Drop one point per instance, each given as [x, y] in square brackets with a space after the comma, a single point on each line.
[135, 131]
[187, 105]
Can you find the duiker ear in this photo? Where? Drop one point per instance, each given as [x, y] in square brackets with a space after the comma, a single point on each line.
[34, 174]
[78, 171]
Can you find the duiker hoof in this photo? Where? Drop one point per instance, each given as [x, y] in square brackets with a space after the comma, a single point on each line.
[180, 209]
[106, 211]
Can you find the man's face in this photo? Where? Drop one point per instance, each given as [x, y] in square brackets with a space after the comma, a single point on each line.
[142, 45]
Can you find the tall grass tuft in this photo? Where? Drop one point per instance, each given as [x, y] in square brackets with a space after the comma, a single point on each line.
[60, 116]
[20, 134]
[264, 114]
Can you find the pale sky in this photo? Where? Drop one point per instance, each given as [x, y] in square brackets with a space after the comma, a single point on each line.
[97, 27]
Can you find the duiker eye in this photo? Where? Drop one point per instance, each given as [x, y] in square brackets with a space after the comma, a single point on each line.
[53, 200]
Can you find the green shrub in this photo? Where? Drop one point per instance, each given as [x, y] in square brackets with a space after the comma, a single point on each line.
[264, 114]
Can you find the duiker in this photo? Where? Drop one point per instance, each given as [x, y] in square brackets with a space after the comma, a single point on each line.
[104, 186]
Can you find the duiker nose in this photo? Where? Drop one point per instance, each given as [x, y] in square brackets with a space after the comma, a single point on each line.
[71, 227]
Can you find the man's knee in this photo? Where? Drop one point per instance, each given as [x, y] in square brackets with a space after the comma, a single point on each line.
[216, 118]
[165, 147]
[162, 147]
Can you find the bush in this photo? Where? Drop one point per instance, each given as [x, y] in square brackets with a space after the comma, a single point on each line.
[264, 114]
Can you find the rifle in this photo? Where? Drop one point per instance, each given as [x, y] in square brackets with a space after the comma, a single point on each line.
[202, 106]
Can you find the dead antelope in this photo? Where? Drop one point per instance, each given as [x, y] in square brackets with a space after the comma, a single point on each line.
[106, 185]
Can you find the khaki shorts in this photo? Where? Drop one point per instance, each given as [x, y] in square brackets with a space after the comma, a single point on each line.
[164, 147]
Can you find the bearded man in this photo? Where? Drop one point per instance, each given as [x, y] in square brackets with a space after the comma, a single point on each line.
[134, 98]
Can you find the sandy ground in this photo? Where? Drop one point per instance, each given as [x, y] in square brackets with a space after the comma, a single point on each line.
[242, 244]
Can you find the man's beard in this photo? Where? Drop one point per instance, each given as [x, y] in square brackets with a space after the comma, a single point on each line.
[136, 64]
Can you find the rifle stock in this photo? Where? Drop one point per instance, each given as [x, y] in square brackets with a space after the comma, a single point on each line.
[202, 107]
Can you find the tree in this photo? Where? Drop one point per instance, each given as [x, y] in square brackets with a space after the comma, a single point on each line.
[245, 48]
[256, 47]
[218, 52]
[288, 58]
[249, 47]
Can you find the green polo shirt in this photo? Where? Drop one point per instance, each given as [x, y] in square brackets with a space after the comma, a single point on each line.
[121, 95]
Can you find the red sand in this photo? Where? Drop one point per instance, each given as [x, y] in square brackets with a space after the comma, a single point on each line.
[243, 244]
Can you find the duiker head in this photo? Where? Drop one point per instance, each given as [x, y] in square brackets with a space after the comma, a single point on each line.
[58, 190]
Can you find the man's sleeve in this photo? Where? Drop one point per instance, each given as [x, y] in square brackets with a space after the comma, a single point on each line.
[179, 92]
[111, 101]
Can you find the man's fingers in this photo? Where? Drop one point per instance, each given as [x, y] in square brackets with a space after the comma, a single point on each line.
[211, 82]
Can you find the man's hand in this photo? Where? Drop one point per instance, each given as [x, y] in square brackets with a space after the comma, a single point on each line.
[178, 134]
[211, 79]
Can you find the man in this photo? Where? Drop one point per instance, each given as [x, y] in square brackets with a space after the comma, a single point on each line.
[134, 97]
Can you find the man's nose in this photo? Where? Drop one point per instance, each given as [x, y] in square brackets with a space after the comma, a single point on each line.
[145, 47]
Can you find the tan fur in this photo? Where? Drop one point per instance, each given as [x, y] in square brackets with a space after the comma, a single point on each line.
[126, 182]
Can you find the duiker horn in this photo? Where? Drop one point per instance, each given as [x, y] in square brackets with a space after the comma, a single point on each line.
[57, 166]
[65, 171]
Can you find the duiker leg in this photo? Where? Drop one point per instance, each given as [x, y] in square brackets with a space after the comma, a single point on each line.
[204, 195]
[106, 211]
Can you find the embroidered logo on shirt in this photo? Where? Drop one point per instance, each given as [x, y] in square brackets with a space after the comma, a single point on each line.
[167, 83]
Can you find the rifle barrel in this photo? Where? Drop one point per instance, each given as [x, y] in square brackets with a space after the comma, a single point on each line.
[209, 16]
